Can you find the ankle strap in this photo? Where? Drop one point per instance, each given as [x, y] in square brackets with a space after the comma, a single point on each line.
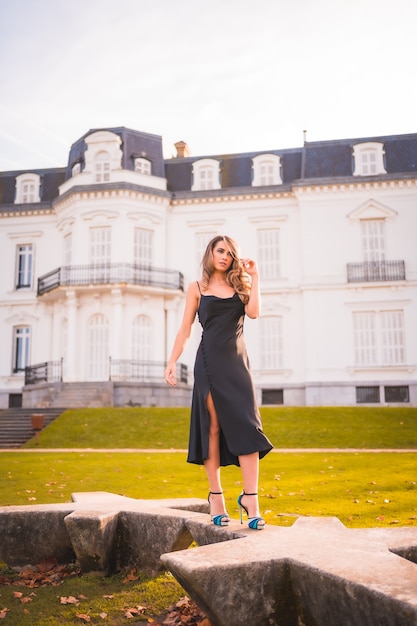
[249, 494]
[216, 493]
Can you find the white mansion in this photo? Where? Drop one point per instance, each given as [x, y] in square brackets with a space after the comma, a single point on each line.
[96, 257]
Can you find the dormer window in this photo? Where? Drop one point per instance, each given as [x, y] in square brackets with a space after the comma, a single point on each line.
[27, 188]
[103, 155]
[76, 169]
[143, 166]
[369, 159]
[266, 170]
[206, 175]
[102, 167]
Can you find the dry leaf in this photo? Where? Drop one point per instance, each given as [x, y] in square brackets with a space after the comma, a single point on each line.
[69, 600]
[3, 613]
[102, 615]
[83, 616]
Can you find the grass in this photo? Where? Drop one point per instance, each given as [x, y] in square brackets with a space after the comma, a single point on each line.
[103, 600]
[362, 489]
[287, 427]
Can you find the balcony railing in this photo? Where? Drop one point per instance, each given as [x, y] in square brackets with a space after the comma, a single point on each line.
[48, 372]
[375, 271]
[119, 370]
[143, 371]
[110, 274]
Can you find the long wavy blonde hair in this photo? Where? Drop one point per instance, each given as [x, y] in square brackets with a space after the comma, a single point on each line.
[236, 277]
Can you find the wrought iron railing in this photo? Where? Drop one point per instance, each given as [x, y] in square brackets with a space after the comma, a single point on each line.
[119, 370]
[143, 371]
[110, 274]
[48, 372]
[375, 271]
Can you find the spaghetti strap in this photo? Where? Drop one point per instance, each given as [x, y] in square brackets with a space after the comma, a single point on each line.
[198, 285]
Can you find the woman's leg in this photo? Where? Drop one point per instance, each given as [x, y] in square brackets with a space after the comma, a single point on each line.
[212, 463]
[249, 464]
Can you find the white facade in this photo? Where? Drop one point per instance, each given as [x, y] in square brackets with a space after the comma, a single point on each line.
[329, 334]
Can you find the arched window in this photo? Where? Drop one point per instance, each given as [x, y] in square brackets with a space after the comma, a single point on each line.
[102, 167]
[266, 170]
[27, 188]
[143, 166]
[369, 159]
[76, 169]
[206, 175]
[98, 348]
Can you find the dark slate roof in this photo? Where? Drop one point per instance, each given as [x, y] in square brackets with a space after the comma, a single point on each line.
[134, 144]
[315, 160]
[50, 181]
[319, 160]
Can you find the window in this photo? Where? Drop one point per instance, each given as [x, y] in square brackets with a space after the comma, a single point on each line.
[272, 396]
[143, 166]
[76, 169]
[201, 242]
[379, 338]
[373, 240]
[102, 167]
[24, 266]
[100, 245]
[393, 343]
[141, 338]
[67, 249]
[143, 247]
[271, 352]
[266, 170]
[100, 254]
[369, 159]
[98, 348]
[268, 253]
[21, 348]
[397, 393]
[364, 335]
[206, 175]
[367, 395]
[27, 188]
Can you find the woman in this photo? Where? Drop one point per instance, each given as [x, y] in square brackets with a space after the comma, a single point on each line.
[225, 424]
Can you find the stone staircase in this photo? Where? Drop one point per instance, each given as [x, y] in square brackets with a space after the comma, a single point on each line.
[16, 424]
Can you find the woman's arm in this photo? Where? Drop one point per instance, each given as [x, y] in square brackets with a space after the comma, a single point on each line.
[253, 307]
[184, 332]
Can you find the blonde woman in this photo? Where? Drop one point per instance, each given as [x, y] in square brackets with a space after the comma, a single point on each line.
[225, 427]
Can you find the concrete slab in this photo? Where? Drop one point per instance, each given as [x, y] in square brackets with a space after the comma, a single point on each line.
[315, 573]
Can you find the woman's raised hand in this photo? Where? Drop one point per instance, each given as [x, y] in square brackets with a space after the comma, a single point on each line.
[250, 267]
[170, 376]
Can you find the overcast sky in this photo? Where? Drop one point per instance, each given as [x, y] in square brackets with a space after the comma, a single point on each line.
[223, 75]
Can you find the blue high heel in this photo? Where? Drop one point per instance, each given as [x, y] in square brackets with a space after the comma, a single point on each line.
[255, 523]
[222, 519]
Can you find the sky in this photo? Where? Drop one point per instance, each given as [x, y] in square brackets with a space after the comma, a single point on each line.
[224, 76]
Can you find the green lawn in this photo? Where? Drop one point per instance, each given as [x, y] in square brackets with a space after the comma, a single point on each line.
[362, 489]
[287, 427]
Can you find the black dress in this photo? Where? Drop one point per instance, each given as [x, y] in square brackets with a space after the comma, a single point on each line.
[222, 368]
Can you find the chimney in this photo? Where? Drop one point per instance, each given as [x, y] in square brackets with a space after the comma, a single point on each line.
[182, 149]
